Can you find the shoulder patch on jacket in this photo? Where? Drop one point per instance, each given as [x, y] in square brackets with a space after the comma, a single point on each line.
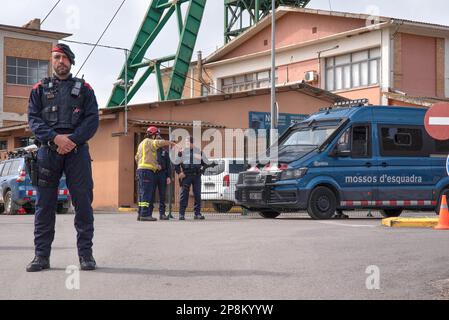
[37, 85]
[88, 86]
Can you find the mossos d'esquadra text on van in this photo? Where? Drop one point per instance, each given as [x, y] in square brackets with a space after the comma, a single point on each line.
[385, 178]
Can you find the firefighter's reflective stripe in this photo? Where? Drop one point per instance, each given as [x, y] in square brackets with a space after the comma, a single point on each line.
[390, 203]
[142, 163]
[144, 204]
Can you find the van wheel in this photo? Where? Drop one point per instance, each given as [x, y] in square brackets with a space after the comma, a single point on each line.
[391, 213]
[268, 214]
[444, 192]
[2, 208]
[322, 204]
[11, 207]
[222, 207]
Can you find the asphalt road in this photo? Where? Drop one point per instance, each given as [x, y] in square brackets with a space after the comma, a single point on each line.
[230, 257]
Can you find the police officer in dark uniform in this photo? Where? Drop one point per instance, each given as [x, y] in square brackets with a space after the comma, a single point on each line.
[63, 115]
[192, 164]
[163, 178]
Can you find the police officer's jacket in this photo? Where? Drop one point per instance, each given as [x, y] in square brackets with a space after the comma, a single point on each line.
[190, 163]
[63, 107]
[163, 159]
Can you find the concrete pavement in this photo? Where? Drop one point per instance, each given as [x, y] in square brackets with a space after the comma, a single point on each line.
[230, 257]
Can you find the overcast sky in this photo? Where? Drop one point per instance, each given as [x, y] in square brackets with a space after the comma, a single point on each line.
[86, 20]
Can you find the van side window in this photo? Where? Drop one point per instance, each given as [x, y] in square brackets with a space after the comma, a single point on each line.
[361, 142]
[14, 169]
[344, 139]
[218, 169]
[357, 141]
[6, 169]
[1, 168]
[402, 141]
[236, 168]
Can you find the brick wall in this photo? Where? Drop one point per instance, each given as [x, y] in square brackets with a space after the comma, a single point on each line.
[30, 49]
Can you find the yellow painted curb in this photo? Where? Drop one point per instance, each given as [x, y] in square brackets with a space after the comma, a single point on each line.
[127, 209]
[211, 210]
[410, 222]
[206, 210]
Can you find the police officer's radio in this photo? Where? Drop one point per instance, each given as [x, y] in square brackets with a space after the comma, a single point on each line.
[76, 90]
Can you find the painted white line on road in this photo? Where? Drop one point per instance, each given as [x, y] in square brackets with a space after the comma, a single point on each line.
[439, 121]
[347, 225]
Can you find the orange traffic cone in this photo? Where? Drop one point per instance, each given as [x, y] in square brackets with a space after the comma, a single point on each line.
[443, 224]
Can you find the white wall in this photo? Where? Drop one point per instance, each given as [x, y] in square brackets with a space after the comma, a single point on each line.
[9, 116]
[257, 63]
[387, 63]
[22, 36]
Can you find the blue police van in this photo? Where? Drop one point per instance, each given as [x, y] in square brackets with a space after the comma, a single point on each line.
[17, 195]
[350, 158]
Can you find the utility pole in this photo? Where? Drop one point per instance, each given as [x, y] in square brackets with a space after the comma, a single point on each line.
[125, 84]
[273, 74]
[126, 92]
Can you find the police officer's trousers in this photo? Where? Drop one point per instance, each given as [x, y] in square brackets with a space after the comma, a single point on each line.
[78, 171]
[161, 185]
[147, 184]
[195, 181]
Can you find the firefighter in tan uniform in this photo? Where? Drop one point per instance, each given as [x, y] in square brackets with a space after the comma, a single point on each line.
[147, 168]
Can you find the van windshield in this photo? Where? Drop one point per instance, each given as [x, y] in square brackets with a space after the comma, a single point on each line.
[304, 140]
[314, 136]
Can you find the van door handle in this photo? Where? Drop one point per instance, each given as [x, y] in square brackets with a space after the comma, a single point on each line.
[384, 164]
[369, 164]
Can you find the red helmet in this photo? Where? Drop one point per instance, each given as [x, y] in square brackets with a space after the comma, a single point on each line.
[152, 131]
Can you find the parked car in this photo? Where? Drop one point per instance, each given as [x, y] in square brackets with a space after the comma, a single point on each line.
[218, 183]
[364, 157]
[17, 195]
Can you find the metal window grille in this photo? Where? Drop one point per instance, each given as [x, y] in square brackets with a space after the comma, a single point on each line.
[354, 70]
[25, 71]
[249, 81]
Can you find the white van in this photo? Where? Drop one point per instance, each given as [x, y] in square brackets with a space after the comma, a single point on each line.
[218, 183]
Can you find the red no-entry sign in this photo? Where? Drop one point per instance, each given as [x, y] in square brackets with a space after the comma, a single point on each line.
[437, 121]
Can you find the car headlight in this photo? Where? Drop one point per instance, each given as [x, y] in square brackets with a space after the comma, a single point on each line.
[291, 174]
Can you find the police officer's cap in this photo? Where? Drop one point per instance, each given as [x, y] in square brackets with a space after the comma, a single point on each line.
[63, 48]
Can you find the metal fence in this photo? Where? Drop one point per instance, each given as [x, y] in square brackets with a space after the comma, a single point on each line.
[218, 185]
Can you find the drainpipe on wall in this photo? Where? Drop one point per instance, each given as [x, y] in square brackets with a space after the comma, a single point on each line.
[319, 65]
[192, 84]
